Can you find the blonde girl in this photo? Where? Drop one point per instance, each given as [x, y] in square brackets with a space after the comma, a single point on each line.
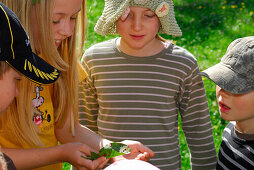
[42, 116]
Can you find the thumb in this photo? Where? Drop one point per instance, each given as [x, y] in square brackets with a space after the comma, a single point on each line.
[139, 147]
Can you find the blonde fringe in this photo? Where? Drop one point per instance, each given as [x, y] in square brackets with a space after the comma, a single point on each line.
[65, 96]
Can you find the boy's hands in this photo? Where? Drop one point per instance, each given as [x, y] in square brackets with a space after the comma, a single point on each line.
[73, 152]
[138, 151]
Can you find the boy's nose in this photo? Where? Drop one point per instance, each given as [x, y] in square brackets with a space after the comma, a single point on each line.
[221, 91]
[137, 24]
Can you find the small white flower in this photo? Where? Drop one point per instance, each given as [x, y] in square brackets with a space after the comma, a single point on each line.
[162, 9]
[124, 149]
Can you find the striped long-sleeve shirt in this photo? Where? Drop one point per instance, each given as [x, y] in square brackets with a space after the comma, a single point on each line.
[235, 152]
[139, 98]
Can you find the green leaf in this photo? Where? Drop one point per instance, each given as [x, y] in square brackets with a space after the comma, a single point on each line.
[94, 156]
[111, 150]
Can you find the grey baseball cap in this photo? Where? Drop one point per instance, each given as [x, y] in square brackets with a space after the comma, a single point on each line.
[235, 72]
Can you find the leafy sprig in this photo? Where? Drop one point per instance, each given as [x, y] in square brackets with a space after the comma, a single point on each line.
[109, 151]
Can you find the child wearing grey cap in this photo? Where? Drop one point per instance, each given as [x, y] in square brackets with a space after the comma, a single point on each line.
[234, 79]
[138, 84]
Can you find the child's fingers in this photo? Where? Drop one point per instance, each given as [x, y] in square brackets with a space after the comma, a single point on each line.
[138, 147]
[146, 151]
[102, 164]
[96, 164]
[143, 156]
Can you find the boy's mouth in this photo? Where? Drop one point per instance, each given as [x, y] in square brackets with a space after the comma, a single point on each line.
[137, 37]
[223, 107]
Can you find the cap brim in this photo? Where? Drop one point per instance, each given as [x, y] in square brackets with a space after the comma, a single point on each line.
[35, 69]
[227, 79]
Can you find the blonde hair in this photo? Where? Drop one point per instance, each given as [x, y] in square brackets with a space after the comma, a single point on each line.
[4, 67]
[65, 58]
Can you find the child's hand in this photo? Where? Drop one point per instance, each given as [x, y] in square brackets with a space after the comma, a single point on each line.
[138, 151]
[74, 154]
[110, 150]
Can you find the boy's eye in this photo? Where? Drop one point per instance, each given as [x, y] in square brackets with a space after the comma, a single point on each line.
[150, 15]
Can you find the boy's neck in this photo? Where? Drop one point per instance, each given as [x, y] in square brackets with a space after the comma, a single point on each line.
[244, 136]
[146, 51]
[246, 126]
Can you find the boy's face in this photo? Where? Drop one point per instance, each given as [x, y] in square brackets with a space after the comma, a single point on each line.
[235, 107]
[138, 28]
[8, 88]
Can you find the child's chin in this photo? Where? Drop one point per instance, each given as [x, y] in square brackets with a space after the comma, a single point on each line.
[225, 117]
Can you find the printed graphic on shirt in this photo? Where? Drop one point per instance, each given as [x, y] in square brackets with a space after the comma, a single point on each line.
[40, 116]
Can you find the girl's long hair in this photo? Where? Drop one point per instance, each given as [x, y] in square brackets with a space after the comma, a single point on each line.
[65, 58]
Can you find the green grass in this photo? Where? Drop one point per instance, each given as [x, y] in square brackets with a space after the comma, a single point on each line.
[208, 27]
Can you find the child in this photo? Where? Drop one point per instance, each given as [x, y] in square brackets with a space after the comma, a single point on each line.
[15, 53]
[36, 131]
[137, 84]
[234, 79]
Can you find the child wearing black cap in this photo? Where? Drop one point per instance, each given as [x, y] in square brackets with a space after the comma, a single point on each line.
[16, 57]
[234, 79]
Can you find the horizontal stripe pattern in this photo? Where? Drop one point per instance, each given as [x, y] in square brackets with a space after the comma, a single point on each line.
[139, 98]
[235, 153]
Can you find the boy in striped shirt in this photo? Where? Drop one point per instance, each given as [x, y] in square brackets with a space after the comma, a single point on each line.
[234, 79]
[137, 85]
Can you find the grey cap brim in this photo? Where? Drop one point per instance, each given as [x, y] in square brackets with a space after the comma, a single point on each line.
[228, 80]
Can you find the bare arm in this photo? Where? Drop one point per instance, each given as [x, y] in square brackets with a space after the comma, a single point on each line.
[82, 134]
[67, 152]
[85, 135]
[33, 158]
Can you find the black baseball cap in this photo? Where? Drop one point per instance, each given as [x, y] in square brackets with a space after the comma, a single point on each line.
[15, 49]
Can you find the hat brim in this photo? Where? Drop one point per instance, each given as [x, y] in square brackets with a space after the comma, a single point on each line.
[227, 79]
[35, 69]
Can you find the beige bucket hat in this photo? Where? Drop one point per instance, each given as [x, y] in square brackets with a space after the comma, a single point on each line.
[113, 10]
